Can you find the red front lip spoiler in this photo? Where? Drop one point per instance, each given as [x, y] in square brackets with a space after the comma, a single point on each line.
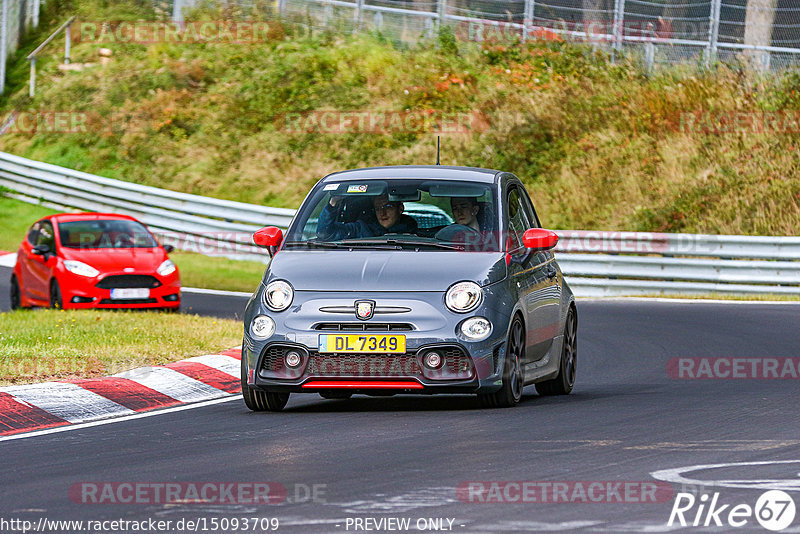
[361, 384]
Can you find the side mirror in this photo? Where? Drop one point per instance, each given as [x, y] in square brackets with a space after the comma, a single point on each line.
[270, 236]
[41, 250]
[537, 239]
[169, 249]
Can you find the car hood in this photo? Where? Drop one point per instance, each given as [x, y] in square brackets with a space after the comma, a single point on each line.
[378, 270]
[118, 259]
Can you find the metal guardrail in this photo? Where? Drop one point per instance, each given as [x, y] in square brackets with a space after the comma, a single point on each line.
[189, 222]
[596, 263]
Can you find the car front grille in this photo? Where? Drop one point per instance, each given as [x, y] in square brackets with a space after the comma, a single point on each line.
[457, 364]
[364, 327]
[362, 365]
[128, 281]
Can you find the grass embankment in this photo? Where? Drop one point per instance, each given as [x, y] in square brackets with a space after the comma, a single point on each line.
[38, 345]
[196, 270]
[599, 145]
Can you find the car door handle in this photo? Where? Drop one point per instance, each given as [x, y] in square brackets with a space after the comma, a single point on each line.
[551, 272]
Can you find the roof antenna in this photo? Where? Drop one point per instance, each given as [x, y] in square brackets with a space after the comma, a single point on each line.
[437, 150]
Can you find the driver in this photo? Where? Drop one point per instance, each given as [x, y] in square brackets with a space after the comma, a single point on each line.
[389, 215]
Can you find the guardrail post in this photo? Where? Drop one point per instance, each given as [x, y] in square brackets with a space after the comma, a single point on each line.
[527, 18]
[713, 32]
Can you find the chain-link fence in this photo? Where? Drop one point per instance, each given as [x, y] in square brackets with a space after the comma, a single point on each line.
[762, 33]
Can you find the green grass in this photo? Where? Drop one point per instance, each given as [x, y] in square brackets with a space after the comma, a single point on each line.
[38, 345]
[598, 145]
[218, 273]
[196, 270]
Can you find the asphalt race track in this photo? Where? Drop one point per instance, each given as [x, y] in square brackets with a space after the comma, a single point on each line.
[371, 459]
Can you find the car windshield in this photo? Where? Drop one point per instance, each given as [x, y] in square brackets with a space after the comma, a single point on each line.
[423, 214]
[105, 233]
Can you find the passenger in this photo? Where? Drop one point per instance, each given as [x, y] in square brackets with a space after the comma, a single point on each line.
[465, 211]
[389, 215]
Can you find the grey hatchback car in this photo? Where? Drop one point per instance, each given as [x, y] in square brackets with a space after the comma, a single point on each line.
[410, 279]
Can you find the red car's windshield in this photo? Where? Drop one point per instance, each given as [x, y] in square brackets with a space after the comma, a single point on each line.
[105, 233]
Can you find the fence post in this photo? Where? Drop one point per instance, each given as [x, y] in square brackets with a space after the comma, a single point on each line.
[177, 11]
[67, 43]
[650, 55]
[36, 13]
[441, 12]
[527, 18]
[3, 44]
[357, 15]
[619, 20]
[32, 82]
[713, 32]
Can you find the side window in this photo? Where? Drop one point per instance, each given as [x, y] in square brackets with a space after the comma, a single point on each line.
[531, 213]
[33, 234]
[518, 220]
[46, 236]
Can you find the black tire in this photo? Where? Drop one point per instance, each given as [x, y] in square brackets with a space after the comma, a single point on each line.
[564, 382]
[14, 293]
[261, 401]
[340, 395]
[510, 392]
[56, 300]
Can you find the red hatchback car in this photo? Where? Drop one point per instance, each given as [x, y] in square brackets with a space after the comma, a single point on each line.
[94, 260]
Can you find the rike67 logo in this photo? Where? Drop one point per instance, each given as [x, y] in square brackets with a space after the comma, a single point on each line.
[774, 510]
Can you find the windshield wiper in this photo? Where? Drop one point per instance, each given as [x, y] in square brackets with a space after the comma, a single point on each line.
[341, 244]
[315, 244]
[399, 243]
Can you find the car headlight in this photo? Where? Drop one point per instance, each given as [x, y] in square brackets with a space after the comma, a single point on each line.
[463, 297]
[262, 327]
[80, 268]
[279, 295]
[476, 328]
[166, 268]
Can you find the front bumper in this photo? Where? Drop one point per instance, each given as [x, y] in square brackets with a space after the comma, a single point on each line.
[80, 292]
[468, 367]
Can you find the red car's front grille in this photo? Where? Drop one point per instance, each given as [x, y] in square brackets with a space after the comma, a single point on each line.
[128, 281]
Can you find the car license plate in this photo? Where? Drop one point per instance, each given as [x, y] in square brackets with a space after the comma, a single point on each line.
[362, 343]
[130, 293]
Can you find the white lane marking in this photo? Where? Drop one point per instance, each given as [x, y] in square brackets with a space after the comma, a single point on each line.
[8, 260]
[687, 301]
[675, 476]
[172, 384]
[202, 291]
[220, 362]
[534, 526]
[67, 401]
[139, 415]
